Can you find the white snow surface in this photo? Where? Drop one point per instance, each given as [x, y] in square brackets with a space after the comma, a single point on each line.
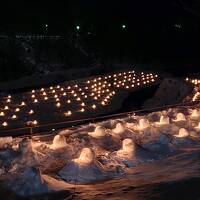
[98, 151]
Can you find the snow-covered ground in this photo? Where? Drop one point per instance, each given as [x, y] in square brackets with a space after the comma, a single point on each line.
[113, 159]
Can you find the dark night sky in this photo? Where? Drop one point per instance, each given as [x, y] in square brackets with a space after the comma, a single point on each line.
[98, 12]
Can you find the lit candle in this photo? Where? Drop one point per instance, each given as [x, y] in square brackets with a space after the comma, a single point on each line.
[17, 110]
[58, 104]
[35, 122]
[2, 114]
[23, 103]
[4, 124]
[31, 112]
[14, 117]
[82, 110]
[94, 106]
[68, 113]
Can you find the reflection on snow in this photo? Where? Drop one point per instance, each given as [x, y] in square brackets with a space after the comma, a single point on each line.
[96, 152]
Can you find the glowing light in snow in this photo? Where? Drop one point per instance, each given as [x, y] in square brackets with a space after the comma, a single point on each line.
[31, 112]
[58, 104]
[2, 114]
[180, 117]
[92, 93]
[128, 148]
[23, 103]
[17, 110]
[182, 133]
[86, 157]
[94, 106]
[59, 141]
[6, 108]
[119, 129]
[143, 124]
[68, 113]
[4, 124]
[82, 110]
[98, 132]
[164, 120]
[35, 122]
[195, 113]
[14, 117]
[197, 127]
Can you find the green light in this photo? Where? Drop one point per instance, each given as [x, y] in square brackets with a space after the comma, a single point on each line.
[123, 26]
[77, 27]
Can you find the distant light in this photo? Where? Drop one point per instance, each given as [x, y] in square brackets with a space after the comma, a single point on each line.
[94, 106]
[178, 26]
[123, 26]
[77, 27]
[31, 112]
[14, 117]
[46, 25]
[2, 114]
[68, 113]
[17, 110]
[4, 124]
[35, 122]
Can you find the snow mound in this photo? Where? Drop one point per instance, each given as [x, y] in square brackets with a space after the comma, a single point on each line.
[28, 183]
[161, 146]
[98, 132]
[5, 141]
[195, 114]
[132, 153]
[164, 120]
[59, 141]
[180, 117]
[182, 133]
[119, 129]
[143, 124]
[84, 169]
